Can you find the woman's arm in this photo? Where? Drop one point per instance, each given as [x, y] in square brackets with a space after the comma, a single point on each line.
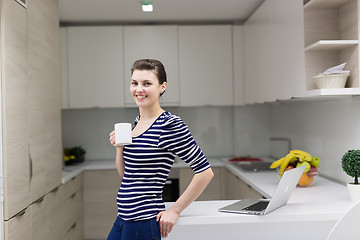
[120, 165]
[167, 219]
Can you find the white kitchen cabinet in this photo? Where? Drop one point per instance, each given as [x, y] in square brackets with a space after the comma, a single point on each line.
[238, 52]
[273, 52]
[100, 209]
[156, 42]
[331, 38]
[64, 68]
[95, 67]
[205, 65]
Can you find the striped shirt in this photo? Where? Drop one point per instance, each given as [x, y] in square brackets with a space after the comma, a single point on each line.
[148, 161]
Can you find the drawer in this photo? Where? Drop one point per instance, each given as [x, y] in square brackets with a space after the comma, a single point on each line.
[39, 222]
[76, 231]
[19, 226]
[71, 211]
[72, 186]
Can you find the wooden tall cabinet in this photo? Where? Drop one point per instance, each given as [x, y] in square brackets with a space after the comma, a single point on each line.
[16, 159]
[31, 102]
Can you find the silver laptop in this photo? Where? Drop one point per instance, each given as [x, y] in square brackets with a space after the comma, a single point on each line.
[279, 198]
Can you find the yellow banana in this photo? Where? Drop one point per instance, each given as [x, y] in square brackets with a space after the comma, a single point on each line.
[277, 163]
[288, 158]
[302, 155]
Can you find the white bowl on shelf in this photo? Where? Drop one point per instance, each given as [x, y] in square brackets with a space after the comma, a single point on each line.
[331, 80]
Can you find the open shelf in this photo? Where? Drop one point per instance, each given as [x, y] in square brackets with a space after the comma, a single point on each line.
[331, 38]
[324, 3]
[331, 45]
[333, 92]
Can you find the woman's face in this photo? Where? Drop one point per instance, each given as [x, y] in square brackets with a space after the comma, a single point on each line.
[145, 88]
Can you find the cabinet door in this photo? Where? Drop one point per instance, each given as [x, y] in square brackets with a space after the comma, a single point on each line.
[213, 191]
[273, 52]
[237, 188]
[95, 67]
[237, 33]
[39, 222]
[64, 68]
[157, 42]
[15, 135]
[44, 100]
[205, 65]
[18, 227]
[100, 210]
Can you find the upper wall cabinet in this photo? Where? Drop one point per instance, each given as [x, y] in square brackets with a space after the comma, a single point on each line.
[331, 38]
[156, 42]
[205, 65]
[238, 52]
[95, 67]
[273, 52]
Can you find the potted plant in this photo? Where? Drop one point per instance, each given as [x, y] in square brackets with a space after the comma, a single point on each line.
[74, 155]
[351, 165]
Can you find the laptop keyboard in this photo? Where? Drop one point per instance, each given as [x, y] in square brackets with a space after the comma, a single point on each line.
[259, 206]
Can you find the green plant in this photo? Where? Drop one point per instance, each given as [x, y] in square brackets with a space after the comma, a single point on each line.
[351, 164]
[77, 151]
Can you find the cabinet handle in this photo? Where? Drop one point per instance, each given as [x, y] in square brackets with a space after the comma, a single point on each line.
[39, 200]
[55, 190]
[72, 227]
[19, 214]
[72, 196]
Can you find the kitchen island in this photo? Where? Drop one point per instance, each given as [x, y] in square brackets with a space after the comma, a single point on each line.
[310, 213]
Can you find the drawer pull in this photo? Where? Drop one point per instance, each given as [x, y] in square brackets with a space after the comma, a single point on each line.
[72, 196]
[39, 200]
[55, 190]
[72, 227]
[20, 213]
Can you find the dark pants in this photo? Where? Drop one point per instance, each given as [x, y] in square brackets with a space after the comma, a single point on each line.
[139, 230]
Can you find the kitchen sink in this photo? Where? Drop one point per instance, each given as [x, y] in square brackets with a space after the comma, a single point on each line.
[254, 166]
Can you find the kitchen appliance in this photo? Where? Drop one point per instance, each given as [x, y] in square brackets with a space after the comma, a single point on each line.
[171, 190]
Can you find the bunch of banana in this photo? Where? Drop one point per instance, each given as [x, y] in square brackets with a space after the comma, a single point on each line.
[299, 156]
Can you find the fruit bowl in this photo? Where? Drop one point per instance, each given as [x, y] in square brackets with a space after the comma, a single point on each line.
[307, 179]
[297, 158]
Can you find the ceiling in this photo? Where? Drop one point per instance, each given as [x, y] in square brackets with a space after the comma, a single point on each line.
[165, 11]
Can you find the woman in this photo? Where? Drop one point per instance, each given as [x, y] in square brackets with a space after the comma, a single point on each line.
[158, 136]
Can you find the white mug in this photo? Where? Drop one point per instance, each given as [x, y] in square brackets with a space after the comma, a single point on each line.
[123, 134]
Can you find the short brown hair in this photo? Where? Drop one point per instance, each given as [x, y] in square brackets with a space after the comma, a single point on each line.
[151, 64]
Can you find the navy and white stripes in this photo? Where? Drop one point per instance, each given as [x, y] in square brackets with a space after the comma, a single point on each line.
[148, 161]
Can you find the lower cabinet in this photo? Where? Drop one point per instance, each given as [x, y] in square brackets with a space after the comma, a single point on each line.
[19, 226]
[235, 188]
[214, 191]
[58, 216]
[100, 209]
[224, 186]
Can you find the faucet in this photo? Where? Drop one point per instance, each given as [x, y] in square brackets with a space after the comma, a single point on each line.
[285, 139]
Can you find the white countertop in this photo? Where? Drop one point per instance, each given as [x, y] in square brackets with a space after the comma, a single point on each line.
[315, 208]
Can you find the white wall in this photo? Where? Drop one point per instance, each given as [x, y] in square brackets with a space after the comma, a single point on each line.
[325, 128]
[251, 128]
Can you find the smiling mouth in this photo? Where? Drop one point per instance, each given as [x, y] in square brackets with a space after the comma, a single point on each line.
[140, 97]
